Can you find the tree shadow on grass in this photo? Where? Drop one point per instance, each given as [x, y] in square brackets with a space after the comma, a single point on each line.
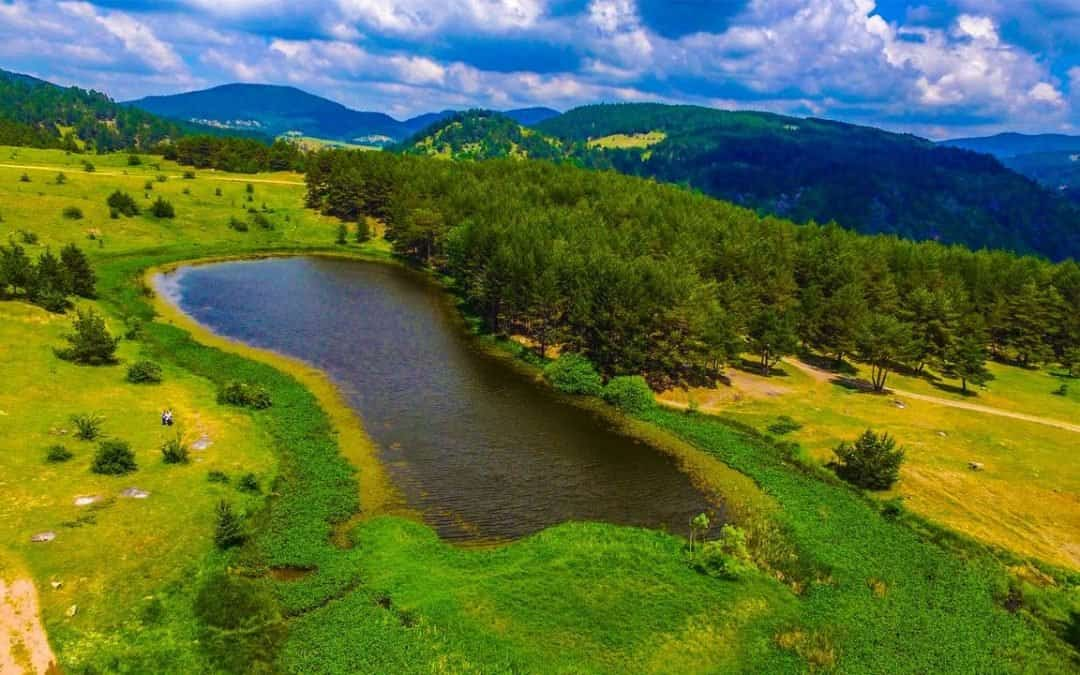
[954, 389]
[754, 368]
[827, 364]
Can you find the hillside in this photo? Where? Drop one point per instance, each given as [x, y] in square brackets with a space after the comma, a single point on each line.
[37, 113]
[481, 134]
[812, 169]
[277, 110]
[1013, 145]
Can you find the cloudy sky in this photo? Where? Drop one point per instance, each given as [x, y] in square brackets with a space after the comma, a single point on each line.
[940, 68]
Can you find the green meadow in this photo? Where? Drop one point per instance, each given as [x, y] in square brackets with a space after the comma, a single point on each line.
[336, 577]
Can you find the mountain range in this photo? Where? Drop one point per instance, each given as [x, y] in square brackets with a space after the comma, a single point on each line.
[278, 110]
[1051, 159]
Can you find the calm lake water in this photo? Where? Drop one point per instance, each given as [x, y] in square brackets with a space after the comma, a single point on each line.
[479, 449]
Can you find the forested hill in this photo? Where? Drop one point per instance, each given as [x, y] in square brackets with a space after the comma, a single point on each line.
[811, 169]
[481, 134]
[37, 113]
[275, 110]
[1014, 145]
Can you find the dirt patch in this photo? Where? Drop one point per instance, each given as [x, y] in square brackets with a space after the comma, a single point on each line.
[135, 493]
[290, 573]
[24, 647]
[86, 500]
[42, 537]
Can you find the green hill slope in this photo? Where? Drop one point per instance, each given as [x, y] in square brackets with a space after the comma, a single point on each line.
[865, 179]
[481, 134]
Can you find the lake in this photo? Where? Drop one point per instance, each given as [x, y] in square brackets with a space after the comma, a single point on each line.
[481, 450]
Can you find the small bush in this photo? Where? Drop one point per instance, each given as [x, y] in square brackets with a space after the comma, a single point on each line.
[572, 373]
[73, 213]
[189, 175]
[87, 426]
[262, 221]
[114, 214]
[629, 393]
[217, 192]
[61, 178]
[249, 188]
[784, 425]
[245, 395]
[25, 178]
[162, 209]
[134, 160]
[1062, 390]
[216, 476]
[148, 186]
[90, 342]
[872, 462]
[161, 178]
[726, 557]
[229, 529]
[58, 453]
[237, 224]
[28, 237]
[114, 458]
[342, 235]
[144, 372]
[249, 483]
[174, 450]
[123, 203]
[88, 166]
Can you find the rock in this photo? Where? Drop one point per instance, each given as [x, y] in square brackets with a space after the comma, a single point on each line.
[57, 585]
[899, 404]
[86, 500]
[975, 466]
[202, 442]
[135, 493]
[72, 611]
[942, 434]
[43, 537]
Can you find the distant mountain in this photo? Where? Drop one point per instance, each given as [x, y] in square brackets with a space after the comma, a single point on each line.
[37, 113]
[1012, 145]
[481, 134]
[276, 110]
[864, 178]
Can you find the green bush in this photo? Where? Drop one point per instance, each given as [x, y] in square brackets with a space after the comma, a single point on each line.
[87, 426]
[572, 373]
[215, 476]
[114, 458]
[88, 166]
[174, 450]
[134, 160]
[245, 395]
[90, 343]
[162, 209]
[144, 372]
[249, 483]
[872, 462]
[73, 213]
[237, 224]
[629, 393]
[189, 175]
[262, 221]
[727, 556]
[229, 528]
[784, 425]
[58, 453]
[161, 178]
[123, 203]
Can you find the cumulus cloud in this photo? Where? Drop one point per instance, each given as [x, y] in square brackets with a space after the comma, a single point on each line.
[930, 67]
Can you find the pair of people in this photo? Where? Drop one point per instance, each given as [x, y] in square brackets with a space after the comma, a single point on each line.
[167, 417]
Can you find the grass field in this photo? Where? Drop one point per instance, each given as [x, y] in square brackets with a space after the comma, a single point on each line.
[1025, 498]
[624, 141]
[842, 586]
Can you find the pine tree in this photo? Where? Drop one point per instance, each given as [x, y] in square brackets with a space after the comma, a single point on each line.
[81, 279]
[90, 341]
[229, 530]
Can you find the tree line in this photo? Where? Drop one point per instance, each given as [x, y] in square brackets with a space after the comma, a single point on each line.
[48, 281]
[650, 279]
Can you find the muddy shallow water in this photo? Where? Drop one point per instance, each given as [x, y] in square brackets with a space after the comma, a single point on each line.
[479, 449]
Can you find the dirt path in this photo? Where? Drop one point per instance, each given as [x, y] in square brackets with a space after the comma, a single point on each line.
[208, 174]
[825, 376]
[24, 647]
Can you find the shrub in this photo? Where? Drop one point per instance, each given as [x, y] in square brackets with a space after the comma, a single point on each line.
[727, 556]
[123, 203]
[784, 425]
[61, 178]
[872, 462]
[342, 235]
[572, 373]
[148, 186]
[88, 166]
[144, 372]
[58, 453]
[189, 175]
[161, 178]
[174, 450]
[216, 476]
[73, 213]
[244, 394]
[28, 237]
[162, 209]
[114, 214]
[229, 529]
[237, 224]
[262, 221]
[217, 192]
[90, 343]
[87, 426]
[134, 160]
[250, 189]
[249, 483]
[114, 458]
[629, 393]
[25, 178]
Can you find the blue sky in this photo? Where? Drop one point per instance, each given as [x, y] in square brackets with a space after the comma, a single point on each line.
[938, 69]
